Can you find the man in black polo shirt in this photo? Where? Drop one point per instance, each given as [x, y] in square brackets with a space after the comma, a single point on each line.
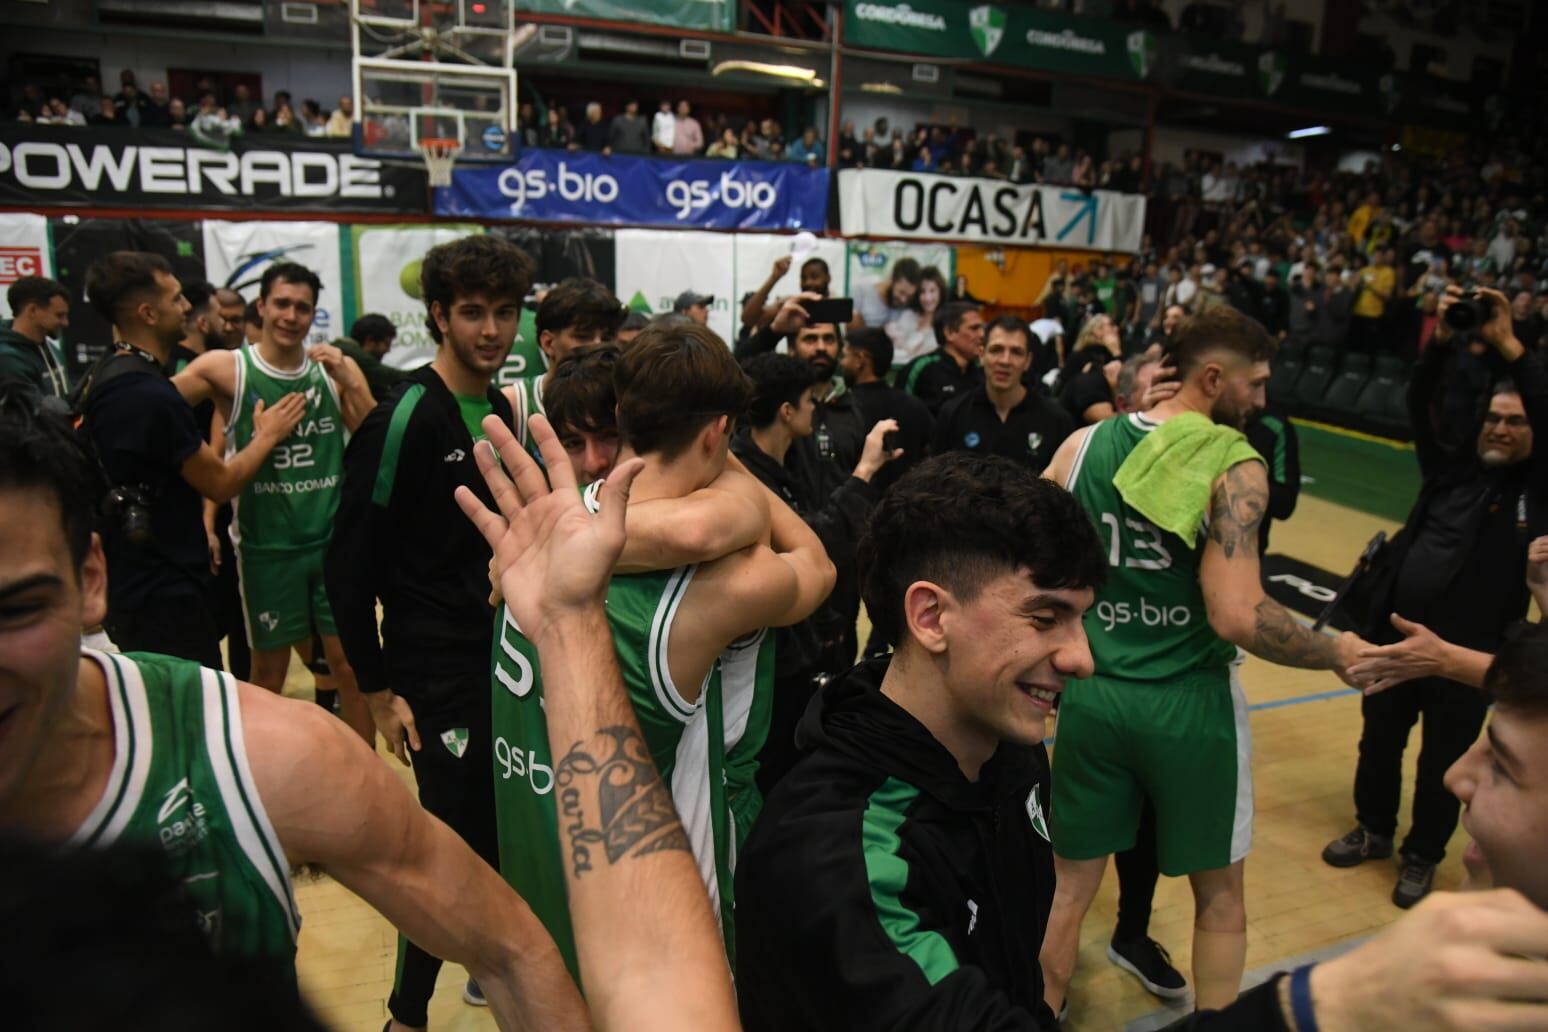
[1001, 416]
[866, 358]
[398, 539]
[952, 368]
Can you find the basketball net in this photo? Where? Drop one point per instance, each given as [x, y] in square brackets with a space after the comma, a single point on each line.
[440, 158]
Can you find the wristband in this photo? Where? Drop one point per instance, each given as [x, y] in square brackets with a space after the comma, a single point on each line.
[1301, 999]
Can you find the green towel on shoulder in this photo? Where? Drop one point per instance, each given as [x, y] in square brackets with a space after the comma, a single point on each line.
[1169, 476]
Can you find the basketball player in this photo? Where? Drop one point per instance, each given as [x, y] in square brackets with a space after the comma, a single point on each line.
[285, 517]
[576, 313]
[678, 387]
[1164, 717]
[221, 776]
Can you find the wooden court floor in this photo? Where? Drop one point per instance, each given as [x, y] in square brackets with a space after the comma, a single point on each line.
[1303, 766]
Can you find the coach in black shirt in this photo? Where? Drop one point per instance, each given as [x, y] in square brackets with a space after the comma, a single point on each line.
[952, 368]
[867, 356]
[1003, 417]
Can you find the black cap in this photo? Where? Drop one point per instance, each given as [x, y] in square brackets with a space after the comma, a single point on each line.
[687, 299]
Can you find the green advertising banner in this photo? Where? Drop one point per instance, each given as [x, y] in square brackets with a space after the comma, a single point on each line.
[714, 15]
[1003, 35]
[1235, 72]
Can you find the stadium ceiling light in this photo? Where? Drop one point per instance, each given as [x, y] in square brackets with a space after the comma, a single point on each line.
[778, 71]
[1301, 134]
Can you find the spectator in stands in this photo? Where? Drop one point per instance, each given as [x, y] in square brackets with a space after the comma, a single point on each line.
[628, 133]
[1377, 284]
[1307, 296]
[57, 112]
[1161, 338]
[1060, 168]
[687, 136]
[259, 122]
[285, 120]
[1088, 390]
[924, 161]
[213, 125]
[593, 135]
[663, 128]
[156, 113]
[129, 102]
[87, 101]
[342, 122]
[556, 133]
[1331, 321]
[313, 121]
[243, 105]
[106, 113]
[726, 147]
[808, 148]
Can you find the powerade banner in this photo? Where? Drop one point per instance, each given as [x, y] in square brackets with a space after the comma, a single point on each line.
[716, 15]
[932, 207]
[1014, 35]
[568, 186]
[85, 167]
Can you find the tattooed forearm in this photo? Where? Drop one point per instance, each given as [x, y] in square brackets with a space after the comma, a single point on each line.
[1236, 508]
[611, 801]
[1278, 638]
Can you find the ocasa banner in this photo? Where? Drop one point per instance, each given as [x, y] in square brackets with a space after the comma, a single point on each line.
[923, 206]
[570, 186]
[236, 255]
[1017, 35]
[86, 167]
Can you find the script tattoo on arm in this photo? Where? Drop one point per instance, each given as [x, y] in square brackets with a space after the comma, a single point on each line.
[612, 804]
[1236, 509]
[1278, 638]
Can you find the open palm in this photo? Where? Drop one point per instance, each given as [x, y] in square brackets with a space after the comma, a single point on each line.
[551, 555]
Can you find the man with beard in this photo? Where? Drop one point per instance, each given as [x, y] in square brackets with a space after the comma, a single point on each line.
[839, 428]
[398, 540]
[1165, 719]
[1456, 569]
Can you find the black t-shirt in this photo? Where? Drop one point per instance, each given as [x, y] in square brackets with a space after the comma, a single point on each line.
[1084, 389]
[1030, 434]
[877, 401]
[143, 432]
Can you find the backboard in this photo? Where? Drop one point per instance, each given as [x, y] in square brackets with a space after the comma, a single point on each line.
[434, 70]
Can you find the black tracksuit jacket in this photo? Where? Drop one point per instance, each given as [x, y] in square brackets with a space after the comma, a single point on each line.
[880, 889]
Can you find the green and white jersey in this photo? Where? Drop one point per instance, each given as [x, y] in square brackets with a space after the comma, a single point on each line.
[746, 670]
[527, 403]
[1149, 622]
[684, 740]
[181, 779]
[289, 506]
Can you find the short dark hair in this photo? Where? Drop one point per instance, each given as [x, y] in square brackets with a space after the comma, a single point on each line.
[815, 261]
[961, 520]
[120, 277]
[578, 392]
[39, 449]
[672, 381]
[372, 327]
[198, 294]
[776, 379]
[1518, 676]
[479, 264]
[1221, 328]
[34, 290]
[634, 321]
[874, 342]
[906, 269]
[250, 314]
[581, 303]
[950, 318]
[228, 296]
[289, 272]
[1011, 324]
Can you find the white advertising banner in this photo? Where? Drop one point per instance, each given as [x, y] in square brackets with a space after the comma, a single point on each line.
[755, 256]
[655, 266]
[24, 251]
[925, 206]
[236, 255]
[387, 262]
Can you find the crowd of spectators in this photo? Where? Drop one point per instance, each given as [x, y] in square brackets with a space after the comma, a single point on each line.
[210, 112]
[672, 129]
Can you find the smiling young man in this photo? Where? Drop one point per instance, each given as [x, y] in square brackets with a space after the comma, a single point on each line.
[284, 518]
[399, 539]
[1001, 416]
[900, 875]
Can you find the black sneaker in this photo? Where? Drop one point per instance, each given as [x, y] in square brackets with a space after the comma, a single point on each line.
[1148, 961]
[1415, 881]
[1357, 847]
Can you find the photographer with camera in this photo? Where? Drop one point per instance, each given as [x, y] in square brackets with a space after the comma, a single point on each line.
[157, 465]
[1455, 568]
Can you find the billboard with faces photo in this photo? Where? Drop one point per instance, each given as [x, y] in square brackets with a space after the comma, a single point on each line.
[869, 267]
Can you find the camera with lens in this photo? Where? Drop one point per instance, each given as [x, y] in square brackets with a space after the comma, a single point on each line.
[1469, 311]
[130, 507]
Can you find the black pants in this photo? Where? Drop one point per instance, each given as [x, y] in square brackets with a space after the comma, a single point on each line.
[181, 625]
[1453, 715]
[460, 791]
[228, 600]
[1138, 871]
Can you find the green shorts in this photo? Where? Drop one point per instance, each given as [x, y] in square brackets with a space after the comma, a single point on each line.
[1185, 745]
[283, 597]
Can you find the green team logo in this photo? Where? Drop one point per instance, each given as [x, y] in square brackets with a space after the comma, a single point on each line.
[456, 741]
[1035, 812]
[1271, 71]
[313, 397]
[1142, 53]
[988, 26]
[270, 620]
[1034, 441]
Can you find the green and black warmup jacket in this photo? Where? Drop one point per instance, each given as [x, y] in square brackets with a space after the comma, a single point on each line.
[399, 537]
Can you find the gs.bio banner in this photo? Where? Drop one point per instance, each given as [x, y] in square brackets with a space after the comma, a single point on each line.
[566, 186]
[931, 207]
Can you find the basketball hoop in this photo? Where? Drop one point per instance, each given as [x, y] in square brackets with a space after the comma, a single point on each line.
[440, 158]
